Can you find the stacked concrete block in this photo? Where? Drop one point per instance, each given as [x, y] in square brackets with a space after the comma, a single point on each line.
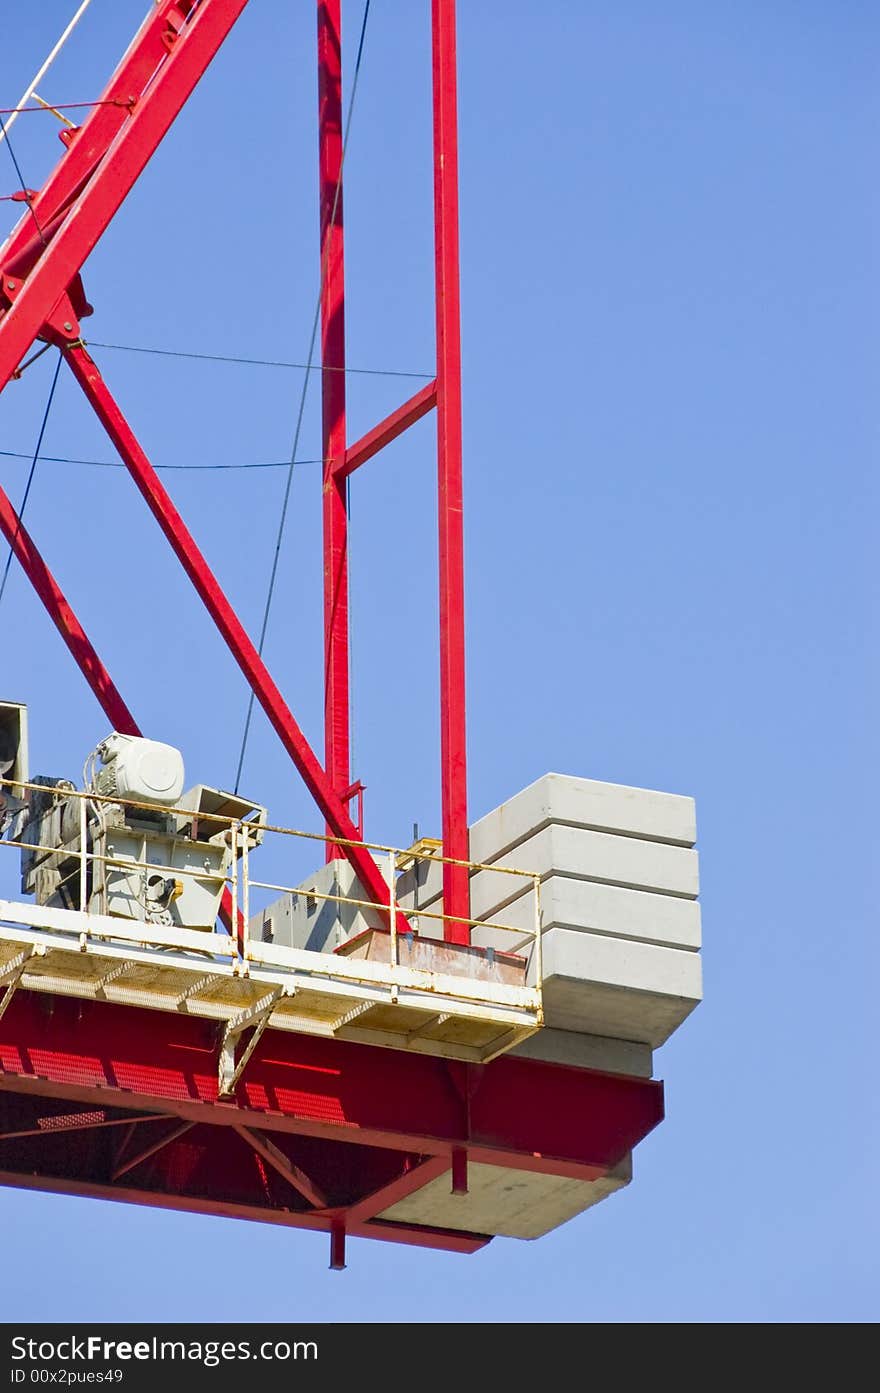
[620, 919]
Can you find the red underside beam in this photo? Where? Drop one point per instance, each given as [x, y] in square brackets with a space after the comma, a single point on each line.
[521, 1113]
[183, 544]
[214, 1170]
[387, 430]
[453, 748]
[446, 1240]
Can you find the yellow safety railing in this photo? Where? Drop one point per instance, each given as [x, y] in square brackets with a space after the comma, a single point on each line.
[240, 837]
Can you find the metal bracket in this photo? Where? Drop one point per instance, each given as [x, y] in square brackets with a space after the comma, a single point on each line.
[199, 985]
[360, 1010]
[230, 1070]
[115, 972]
[10, 975]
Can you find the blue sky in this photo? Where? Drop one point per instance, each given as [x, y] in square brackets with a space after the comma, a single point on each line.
[669, 331]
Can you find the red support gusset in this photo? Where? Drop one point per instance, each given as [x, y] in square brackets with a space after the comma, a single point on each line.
[335, 503]
[453, 746]
[212, 596]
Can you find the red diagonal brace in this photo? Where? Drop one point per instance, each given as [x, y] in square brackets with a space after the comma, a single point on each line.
[386, 431]
[208, 588]
[93, 670]
[407, 1183]
[64, 619]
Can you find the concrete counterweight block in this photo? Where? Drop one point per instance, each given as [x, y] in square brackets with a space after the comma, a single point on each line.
[621, 923]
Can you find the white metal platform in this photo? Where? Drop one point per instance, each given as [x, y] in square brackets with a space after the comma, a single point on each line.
[442, 1000]
[70, 953]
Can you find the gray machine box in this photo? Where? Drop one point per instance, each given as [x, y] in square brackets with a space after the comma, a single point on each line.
[13, 745]
[317, 916]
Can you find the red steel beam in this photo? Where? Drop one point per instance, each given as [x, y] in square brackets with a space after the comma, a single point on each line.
[337, 721]
[212, 596]
[64, 619]
[91, 211]
[523, 1113]
[386, 431]
[453, 745]
[86, 658]
[445, 1240]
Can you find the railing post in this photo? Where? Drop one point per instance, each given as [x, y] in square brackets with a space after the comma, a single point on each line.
[233, 876]
[392, 867]
[244, 936]
[83, 868]
[539, 945]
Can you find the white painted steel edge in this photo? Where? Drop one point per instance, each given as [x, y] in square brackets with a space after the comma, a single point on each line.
[507, 1019]
[515, 1007]
[73, 922]
[445, 1049]
[412, 999]
[435, 983]
[314, 966]
[53, 942]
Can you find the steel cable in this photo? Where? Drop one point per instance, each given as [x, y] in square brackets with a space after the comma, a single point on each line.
[30, 478]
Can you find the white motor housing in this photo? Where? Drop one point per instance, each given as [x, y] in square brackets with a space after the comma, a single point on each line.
[145, 771]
